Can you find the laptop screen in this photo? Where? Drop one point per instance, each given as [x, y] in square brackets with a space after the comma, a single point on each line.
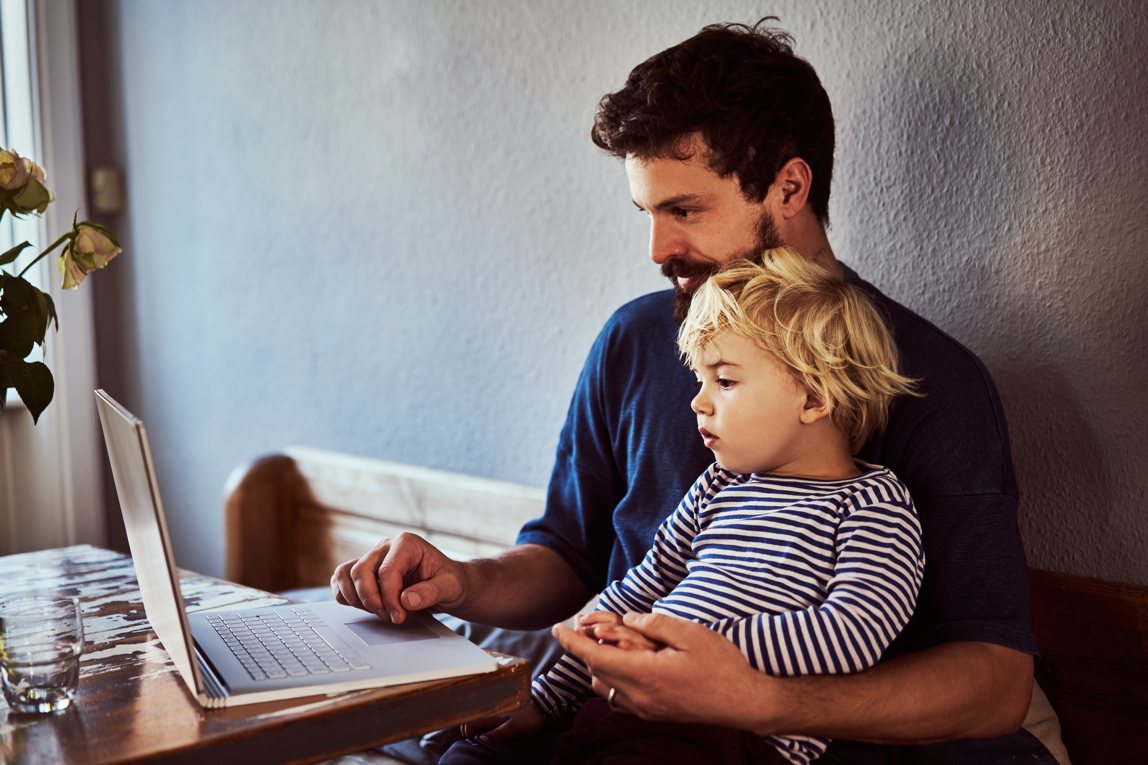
[146, 528]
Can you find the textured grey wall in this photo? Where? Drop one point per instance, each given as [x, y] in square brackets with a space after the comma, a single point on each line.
[380, 227]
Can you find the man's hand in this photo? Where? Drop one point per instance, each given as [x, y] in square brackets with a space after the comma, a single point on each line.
[397, 575]
[526, 587]
[695, 675]
[524, 722]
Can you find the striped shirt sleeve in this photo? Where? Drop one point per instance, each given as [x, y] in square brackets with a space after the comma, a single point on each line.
[567, 685]
[870, 597]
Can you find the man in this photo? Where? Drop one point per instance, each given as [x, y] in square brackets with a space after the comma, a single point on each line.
[728, 144]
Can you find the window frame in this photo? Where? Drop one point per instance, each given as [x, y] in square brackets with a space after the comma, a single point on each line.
[53, 470]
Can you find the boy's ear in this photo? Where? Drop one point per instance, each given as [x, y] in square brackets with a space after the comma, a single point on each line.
[816, 407]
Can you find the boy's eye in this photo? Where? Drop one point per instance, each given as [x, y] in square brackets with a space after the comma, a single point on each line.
[725, 384]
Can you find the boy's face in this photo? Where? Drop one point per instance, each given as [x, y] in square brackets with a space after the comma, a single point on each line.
[749, 410]
[699, 221]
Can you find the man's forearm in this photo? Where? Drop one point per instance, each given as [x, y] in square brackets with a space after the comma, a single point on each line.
[526, 587]
[952, 691]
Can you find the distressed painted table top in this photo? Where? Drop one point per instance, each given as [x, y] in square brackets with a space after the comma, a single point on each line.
[132, 705]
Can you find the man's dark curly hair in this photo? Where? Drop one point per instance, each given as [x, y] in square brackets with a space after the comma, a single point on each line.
[754, 102]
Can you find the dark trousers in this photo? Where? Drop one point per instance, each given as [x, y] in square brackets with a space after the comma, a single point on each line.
[603, 736]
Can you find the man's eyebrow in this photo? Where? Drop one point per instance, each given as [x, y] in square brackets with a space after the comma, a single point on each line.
[675, 201]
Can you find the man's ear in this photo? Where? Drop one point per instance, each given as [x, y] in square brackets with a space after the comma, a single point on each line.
[817, 407]
[791, 185]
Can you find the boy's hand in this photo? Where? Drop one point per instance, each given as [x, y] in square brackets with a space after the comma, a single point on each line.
[524, 722]
[607, 628]
[586, 623]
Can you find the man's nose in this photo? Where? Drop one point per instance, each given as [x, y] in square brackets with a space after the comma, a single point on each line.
[665, 243]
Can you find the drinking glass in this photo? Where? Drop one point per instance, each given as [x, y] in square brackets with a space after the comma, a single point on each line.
[41, 639]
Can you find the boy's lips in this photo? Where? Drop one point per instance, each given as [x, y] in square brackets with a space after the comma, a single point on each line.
[709, 439]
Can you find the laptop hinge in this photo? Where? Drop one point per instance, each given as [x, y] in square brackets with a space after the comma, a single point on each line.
[213, 688]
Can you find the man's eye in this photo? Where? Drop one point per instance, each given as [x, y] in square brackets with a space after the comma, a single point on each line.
[681, 212]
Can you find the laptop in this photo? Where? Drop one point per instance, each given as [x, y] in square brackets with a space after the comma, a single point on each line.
[234, 657]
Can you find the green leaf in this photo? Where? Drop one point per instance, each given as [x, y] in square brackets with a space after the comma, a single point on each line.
[18, 295]
[34, 384]
[18, 333]
[27, 319]
[50, 309]
[13, 253]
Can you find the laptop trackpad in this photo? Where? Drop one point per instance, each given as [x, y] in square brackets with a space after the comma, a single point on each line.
[379, 632]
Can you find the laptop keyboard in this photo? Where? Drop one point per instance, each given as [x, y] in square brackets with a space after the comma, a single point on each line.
[271, 646]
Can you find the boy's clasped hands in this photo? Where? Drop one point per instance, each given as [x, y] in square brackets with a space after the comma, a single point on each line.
[608, 629]
[604, 626]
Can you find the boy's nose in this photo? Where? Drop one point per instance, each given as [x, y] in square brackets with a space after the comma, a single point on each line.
[701, 404]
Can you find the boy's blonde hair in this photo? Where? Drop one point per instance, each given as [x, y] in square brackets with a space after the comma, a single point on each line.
[826, 332]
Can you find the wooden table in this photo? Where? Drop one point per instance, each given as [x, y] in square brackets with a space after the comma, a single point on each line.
[132, 705]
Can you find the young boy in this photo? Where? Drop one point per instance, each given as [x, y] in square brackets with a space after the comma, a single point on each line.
[808, 561]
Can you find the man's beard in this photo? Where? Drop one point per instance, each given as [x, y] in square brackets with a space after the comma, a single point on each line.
[767, 239]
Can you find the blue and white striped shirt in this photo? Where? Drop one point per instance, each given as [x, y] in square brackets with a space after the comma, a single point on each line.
[804, 576]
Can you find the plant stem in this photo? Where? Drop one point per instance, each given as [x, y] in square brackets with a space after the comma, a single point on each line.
[40, 257]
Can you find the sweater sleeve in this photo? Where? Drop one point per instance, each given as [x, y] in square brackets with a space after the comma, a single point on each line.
[870, 597]
[567, 684]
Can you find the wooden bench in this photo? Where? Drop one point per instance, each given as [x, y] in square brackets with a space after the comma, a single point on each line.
[292, 517]
[1093, 638]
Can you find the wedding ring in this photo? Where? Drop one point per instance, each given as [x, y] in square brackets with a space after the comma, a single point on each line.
[610, 697]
